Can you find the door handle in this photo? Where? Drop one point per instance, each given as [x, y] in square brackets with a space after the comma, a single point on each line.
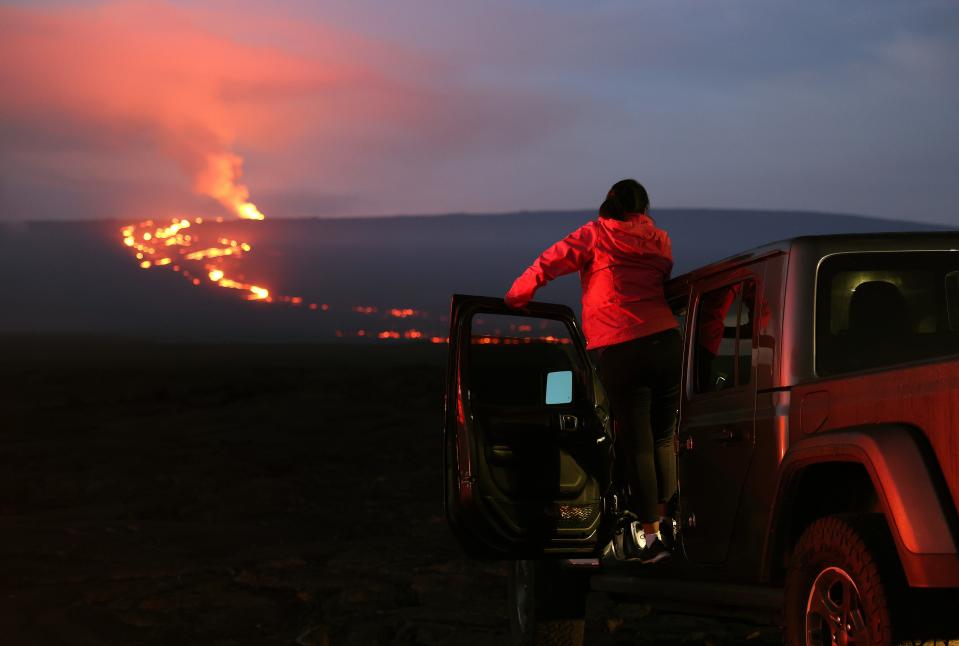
[729, 435]
[568, 422]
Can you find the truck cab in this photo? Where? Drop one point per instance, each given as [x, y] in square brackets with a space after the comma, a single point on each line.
[817, 443]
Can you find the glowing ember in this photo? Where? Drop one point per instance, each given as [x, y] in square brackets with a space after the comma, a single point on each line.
[495, 340]
[212, 252]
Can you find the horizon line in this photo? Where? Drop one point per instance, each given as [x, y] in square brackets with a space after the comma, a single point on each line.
[451, 214]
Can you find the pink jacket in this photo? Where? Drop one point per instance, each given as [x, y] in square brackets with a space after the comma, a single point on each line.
[622, 267]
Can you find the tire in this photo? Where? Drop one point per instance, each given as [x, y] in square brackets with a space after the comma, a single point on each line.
[547, 605]
[839, 583]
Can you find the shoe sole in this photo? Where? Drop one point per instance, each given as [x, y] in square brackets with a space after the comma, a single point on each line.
[662, 556]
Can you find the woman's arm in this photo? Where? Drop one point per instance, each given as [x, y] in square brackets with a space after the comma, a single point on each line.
[564, 257]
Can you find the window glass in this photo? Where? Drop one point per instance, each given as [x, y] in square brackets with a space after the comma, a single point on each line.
[745, 334]
[679, 308]
[511, 357]
[916, 282]
[724, 338]
[876, 309]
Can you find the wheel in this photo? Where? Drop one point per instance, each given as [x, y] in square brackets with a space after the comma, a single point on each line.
[839, 582]
[547, 605]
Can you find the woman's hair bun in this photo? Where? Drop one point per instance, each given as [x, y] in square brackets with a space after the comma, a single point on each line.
[611, 209]
[625, 196]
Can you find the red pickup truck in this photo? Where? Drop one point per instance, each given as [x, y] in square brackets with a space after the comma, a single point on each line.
[817, 446]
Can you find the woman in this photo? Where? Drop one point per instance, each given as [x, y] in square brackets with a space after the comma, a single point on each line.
[623, 260]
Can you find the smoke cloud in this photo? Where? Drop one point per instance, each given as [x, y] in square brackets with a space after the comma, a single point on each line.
[112, 93]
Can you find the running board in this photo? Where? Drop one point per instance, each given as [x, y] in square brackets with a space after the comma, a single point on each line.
[758, 603]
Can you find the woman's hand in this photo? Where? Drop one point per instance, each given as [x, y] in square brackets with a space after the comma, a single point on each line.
[514, 301]
[521, 292]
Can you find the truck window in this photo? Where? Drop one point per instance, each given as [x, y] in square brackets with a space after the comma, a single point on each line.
[724, 338]
[876, 309]
[679, 306]
[511, 358]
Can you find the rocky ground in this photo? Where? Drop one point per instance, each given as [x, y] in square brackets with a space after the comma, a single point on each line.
[273, 494]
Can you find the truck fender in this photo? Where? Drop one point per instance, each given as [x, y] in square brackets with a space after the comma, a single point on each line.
[910, 488]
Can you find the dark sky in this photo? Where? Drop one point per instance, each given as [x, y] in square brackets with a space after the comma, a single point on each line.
[113, 110]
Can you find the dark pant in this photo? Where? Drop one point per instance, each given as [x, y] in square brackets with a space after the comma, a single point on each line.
[641, 378]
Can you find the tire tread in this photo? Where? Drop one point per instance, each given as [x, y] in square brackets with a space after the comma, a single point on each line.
[862, 543]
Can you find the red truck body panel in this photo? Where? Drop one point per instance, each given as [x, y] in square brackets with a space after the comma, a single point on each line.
[925, 397]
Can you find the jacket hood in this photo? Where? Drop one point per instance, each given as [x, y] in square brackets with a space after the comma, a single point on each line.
[635, 233]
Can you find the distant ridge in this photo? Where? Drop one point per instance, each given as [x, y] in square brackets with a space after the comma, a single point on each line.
[75, 277]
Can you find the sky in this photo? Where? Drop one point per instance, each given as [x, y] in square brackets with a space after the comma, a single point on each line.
[123, 109]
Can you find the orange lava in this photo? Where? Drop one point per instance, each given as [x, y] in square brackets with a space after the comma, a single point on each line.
[158, 244]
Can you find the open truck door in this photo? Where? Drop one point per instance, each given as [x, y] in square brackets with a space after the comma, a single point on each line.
[528, 442]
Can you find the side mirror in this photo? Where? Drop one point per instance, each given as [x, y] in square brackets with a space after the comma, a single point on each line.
[559, 387]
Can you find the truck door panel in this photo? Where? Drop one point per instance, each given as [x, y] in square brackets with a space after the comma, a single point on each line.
[528, 451]
[717, 431]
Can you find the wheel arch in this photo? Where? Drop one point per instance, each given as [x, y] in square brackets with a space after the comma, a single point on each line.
[887, 468]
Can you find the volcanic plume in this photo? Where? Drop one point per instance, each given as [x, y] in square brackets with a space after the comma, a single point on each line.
[219, 179]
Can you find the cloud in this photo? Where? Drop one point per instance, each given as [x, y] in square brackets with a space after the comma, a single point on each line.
[367, 107]
[112, 82]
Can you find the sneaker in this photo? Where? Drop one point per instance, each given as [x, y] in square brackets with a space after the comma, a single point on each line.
[633, 545]
[654, 553]
[667, 532]
[614, 549]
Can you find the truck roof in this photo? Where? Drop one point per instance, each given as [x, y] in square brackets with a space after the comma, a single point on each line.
[824, 245]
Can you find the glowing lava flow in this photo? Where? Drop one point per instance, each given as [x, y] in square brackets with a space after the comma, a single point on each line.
[175, 244]
[156, 245]
[179, 246]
